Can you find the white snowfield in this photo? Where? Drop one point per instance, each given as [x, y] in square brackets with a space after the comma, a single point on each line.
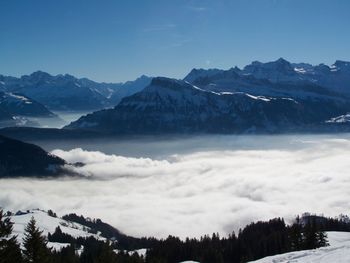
[337, 252]
[141, 252]
[48, 224]
[340, 119]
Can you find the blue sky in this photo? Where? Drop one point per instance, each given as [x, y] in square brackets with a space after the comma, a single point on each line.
[117, 40]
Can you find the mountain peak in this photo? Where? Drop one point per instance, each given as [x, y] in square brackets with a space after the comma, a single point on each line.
[166, 82]
[340, 64]
[142, 78]
[280, 65]
[40, 74]
[282, 61]
[201, 73]
[255, 63]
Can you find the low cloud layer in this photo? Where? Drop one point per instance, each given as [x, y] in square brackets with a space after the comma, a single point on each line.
[194, 193]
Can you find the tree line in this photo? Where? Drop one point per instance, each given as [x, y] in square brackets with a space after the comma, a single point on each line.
[254, 241]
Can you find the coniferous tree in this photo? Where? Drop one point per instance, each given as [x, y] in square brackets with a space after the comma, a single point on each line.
[35, 249]
[10, 251]
[322, 239]
[310, 234]
[295, 235]
[66, 255]
[51, 213]
[106, 254]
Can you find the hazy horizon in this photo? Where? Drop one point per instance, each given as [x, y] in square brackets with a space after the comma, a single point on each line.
[179, 77]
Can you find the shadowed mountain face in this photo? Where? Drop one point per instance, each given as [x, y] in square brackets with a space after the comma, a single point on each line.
[175, 106]
[19, 110]
[23, 159]
[17, 104]
[129, 88]
[4, 115]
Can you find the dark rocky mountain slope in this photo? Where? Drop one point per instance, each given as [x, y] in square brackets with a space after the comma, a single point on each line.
[23, 159]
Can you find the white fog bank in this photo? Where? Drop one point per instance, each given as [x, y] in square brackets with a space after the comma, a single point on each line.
[194, 193]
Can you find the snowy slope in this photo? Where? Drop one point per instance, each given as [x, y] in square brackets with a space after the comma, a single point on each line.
[338, 251]
[48, 224]
[340, 119]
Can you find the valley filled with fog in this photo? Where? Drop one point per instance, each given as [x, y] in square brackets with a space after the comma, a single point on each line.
[190, 186]
[63, 118]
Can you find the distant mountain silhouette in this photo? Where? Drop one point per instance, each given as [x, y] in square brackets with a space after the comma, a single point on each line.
[23, 159]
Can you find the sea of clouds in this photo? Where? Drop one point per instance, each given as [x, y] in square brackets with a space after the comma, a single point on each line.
[191, 193]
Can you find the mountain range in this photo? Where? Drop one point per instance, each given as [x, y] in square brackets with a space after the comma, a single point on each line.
[68, 93]
[176, 106]
[261, 97]
[278, 78]
[276, 96]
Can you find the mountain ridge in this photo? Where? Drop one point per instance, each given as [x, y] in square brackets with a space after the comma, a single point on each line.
[65, 92]
[176, 106]
[335, 77]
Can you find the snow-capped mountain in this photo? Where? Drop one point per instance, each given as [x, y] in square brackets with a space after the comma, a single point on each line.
[206, 101]
[65, 92]
[279, 78]
[334, 78]
[61, 92]
[278, 71]
[176, 106]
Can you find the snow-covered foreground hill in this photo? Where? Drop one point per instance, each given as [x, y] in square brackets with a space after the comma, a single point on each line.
[48, 224]
[338, 251]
